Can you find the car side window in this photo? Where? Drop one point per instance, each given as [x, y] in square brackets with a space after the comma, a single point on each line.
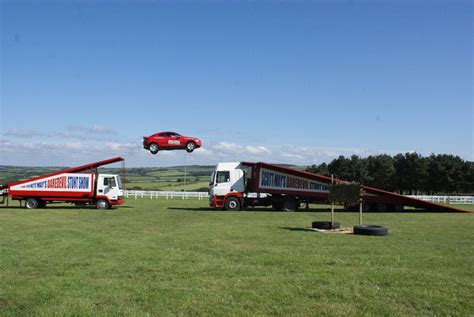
[223, 177]
[163, 134]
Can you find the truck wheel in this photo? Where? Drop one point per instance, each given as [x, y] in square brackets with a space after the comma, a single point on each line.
[41, 204]
[397, 207]
[290, 204]
[190, 146]
[102, 204]
[276, 206]
[154, 148]
[370, 230]
[31, 203]
[232, 204]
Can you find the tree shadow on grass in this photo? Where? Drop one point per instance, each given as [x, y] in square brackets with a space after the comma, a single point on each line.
[221, 210]
[248, 209]
[193, 209]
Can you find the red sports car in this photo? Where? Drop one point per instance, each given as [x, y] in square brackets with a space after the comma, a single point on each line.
[170, 141]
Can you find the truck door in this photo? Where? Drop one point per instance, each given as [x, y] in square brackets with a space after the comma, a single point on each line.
[108, 187]
[223, 183]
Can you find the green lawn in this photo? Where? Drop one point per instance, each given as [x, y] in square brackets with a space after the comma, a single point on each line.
[177, 257]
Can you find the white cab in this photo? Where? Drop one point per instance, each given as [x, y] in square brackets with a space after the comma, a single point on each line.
[109, 185]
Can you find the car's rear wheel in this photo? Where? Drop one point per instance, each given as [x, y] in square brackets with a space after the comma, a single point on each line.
[190, 146]
[154, 148]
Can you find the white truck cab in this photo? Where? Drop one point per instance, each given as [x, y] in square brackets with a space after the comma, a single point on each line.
[110, 186]
[226, 178]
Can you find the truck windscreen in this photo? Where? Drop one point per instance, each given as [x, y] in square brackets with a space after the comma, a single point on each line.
[223, 177]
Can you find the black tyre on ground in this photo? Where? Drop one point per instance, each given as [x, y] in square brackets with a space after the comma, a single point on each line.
[190, 146]
[232, 204]
[41, 204]
[290, 204]
[102, 204]
[154, 148]
[31, 203]
[370, 230]
[326, 225]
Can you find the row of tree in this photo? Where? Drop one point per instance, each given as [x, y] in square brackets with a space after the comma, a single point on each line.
[409, 173]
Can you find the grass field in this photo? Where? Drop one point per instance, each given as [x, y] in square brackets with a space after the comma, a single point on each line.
[175, 257]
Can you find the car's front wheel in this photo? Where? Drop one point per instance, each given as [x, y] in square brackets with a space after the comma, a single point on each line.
[190, 146]
[154, 148]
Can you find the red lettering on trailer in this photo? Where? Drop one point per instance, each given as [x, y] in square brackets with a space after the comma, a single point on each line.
[59, 182]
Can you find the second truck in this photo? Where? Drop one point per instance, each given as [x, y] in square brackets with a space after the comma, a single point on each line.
[237, 185]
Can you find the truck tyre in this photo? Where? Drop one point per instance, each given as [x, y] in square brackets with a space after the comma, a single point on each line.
[397, 207]
[276, 206]
[325, 225]
[370, 230]
[154, 148]
[232, 204]
[290, 204]
[31, 203]
[102, 204]
[41, 204]
[190, 146]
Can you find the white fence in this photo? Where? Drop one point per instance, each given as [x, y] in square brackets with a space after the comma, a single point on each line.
[169, 195]
[461, 200]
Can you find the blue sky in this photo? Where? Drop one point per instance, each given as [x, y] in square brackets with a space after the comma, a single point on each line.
[290, 82]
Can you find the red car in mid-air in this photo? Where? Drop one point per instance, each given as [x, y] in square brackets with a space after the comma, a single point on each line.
[170, 141]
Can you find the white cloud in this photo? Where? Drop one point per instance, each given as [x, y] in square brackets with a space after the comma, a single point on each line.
[257, 149]
[227, 147]
[22, 133]
[76, 152]
[79, 132]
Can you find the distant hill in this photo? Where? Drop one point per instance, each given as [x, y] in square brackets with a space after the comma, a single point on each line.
[148, 178]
